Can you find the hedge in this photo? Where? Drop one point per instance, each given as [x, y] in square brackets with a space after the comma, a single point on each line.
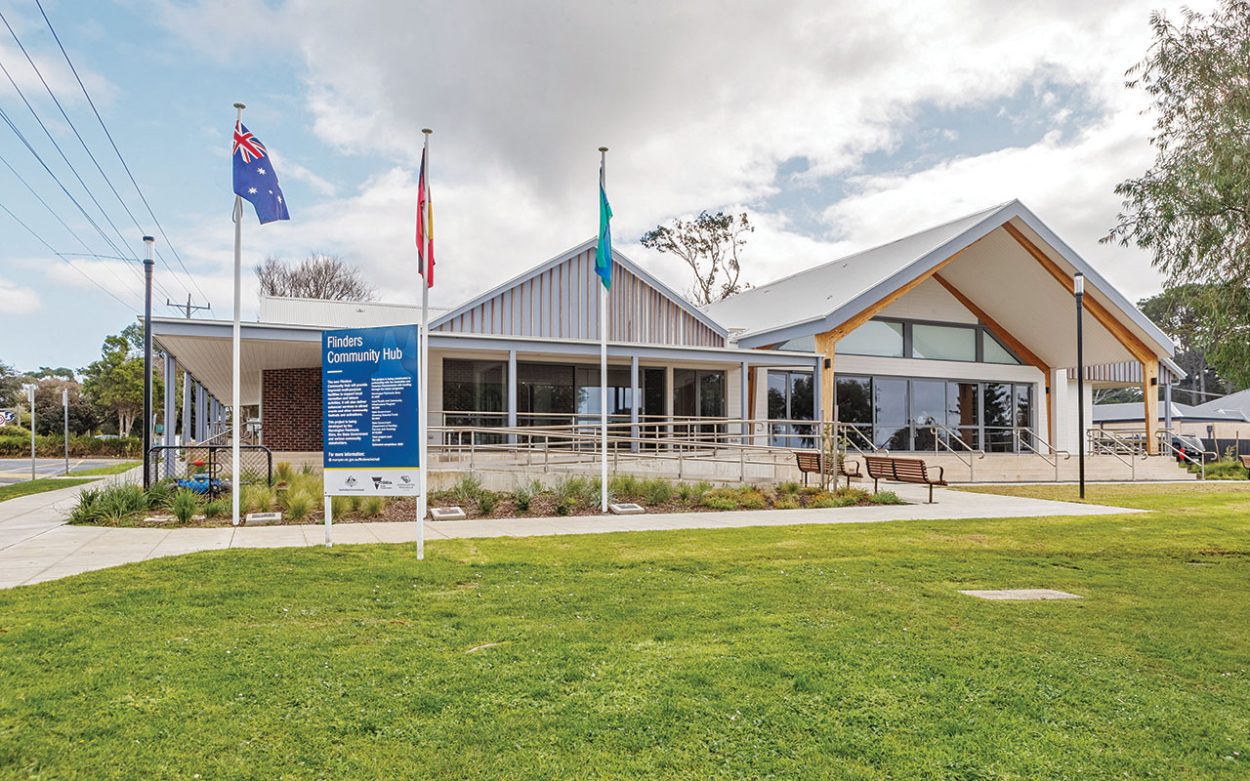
[47, 446]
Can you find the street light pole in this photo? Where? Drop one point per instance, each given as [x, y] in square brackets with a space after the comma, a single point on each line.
[65, 407]
[30, 399]
[1078, 288]
[148, 263]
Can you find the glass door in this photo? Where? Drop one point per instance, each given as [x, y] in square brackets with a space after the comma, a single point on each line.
[928, 408]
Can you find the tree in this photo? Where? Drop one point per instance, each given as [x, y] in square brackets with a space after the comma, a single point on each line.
[114, 383]
[1204, 321]
[711, 245]
[10, 386]
[50, 414]
[1191, 209]
[326, 277]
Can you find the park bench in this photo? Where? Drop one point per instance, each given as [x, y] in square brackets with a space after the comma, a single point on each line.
[1245, 462]
[902, 470]
[812, 462]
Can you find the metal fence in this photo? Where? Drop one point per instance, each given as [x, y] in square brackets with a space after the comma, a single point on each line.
[207, 468]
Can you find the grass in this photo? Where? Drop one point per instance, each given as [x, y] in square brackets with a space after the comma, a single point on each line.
[780, 652]
[41, 485]
[111, 469]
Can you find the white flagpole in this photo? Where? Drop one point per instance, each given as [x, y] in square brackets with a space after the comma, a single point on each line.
[236, 484]
[423, 423]
[603, 360]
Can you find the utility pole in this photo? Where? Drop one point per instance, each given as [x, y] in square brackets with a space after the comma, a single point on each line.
[188, 307]
[148, 263]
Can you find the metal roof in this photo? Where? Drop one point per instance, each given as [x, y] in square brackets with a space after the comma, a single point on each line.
[825, 296]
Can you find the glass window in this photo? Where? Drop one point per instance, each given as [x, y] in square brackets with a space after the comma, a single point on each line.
[890, 401]
[588, 391]
[992, 351]
[943, 342]
[961, 412]
[545, 395]
[875, 337]
[998, 404]
[1024, 406]
[802, 399]
[928, 406]
[473, 396]
[712, 394]
[854, 400]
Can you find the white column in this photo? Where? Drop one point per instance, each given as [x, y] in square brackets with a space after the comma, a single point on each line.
[512, 405]
[635, 392]
[744, 404]
[171, 374]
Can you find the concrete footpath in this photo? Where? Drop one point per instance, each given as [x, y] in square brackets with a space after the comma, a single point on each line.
[37, 545]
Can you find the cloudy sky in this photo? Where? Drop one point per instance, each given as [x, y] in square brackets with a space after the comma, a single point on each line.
[836, 125]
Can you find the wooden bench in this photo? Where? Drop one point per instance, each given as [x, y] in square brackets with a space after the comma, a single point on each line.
[812, 462]
[1245, 462]
[902, 470]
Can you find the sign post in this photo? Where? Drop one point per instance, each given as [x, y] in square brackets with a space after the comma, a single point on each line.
[370, 412]
[65, 406]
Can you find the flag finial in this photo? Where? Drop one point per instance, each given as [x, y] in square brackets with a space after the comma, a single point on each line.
[240, 106]
[426, 130]
[603, 149]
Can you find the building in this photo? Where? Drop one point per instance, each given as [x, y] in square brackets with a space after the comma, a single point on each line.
[960, 337]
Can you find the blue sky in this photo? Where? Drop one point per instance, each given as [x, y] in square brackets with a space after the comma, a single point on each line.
[836, 127]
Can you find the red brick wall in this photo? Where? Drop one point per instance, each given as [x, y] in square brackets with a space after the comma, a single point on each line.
[290, 410]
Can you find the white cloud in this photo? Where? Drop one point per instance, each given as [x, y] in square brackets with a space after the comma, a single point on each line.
[699, 105]
[18, 300]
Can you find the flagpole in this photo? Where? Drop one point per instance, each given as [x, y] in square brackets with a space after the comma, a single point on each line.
[603, 363]
[236, 484]
[423, 423]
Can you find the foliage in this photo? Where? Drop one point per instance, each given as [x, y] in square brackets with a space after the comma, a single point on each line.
[486, 501]
[217, 508]
[184, 505]
[1190, 208]
[256, 499]
[1223, 469]
[114, 383]
[372, 506]
[711, 245]
[161, 494]
[1205, 320]
[50, 412]
[298, 505]
[720, 499]
[340, 506]
[521, 498]
[283, 472]
[16, 442]
[467, 489]
[883, 497]
[656, 491]
[319, 276]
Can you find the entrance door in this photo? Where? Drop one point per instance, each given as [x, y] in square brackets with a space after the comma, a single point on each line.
[928, 408]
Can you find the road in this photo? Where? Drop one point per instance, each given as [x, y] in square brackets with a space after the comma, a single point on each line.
[16, 470]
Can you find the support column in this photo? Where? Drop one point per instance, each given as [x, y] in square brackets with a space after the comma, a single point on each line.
[635, 394]
[744, 403]
[1167, 409]
[512, 406]
[185, 428]
[1150, 395]
[668, 398]
[171, 410]
[825, 344]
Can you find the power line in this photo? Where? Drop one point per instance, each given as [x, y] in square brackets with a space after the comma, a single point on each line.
[86, 148]
[61, 152]
[67, 262]
[56, 216]
[117, 151]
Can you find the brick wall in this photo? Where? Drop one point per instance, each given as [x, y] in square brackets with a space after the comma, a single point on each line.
[291, 409]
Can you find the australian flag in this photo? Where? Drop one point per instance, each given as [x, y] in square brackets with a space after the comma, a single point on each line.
[254, 177]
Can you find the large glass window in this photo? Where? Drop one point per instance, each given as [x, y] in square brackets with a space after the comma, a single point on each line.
[698, 394]
[790, 399]
[620, 395]
[473, 396]
[943, 342]
[928, 412]
[545, 394]
[962, 403]
[875, 337]
[994, 352]
[892, 430]
[854, 400]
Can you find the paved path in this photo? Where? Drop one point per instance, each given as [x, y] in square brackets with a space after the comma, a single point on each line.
[17, 470]
[36, 545]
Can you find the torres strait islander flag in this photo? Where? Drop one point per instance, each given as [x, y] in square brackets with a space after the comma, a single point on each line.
[425, 226]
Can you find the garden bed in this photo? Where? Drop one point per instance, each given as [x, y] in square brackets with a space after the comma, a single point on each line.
[299, 497]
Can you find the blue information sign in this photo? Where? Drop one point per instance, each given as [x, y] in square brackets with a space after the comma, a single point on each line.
[370, 411]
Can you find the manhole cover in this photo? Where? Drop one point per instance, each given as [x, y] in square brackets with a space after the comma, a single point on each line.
[1021, 594]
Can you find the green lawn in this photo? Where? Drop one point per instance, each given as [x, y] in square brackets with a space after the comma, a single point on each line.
[786, 653]
[14, 490]
[111, 469]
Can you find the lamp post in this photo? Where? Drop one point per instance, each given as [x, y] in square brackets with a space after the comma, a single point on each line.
[1078, 289]
[30, 401]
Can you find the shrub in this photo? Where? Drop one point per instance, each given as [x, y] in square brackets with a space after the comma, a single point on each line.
[859, 495]
[467, 489]
[372, 506]
[486, 501]
[298, 504]
[184, 505]
[751, 499]
[87, 510]
[255, 499]
[283, 472]
[161, 494]
[657, 491]
[625, 486]
[789, 487]
[521, 498]
[340, 506]
[720, 499]
[885, 497]
[121, 501]
[217, 508]
[827, 499]
[786, 502]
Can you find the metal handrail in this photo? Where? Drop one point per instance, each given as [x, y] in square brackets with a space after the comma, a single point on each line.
[1053, 452]
[1165, 441]
[937, 428]
[1098, 446]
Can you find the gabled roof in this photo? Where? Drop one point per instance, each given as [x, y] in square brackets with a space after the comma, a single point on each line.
[825, 296]
[1233, 404]
[664, 290]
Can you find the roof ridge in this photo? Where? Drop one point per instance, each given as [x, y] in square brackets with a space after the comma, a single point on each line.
[874, 248]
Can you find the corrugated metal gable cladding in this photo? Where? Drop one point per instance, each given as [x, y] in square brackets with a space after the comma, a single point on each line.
[563, 303]
[1128, 372]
